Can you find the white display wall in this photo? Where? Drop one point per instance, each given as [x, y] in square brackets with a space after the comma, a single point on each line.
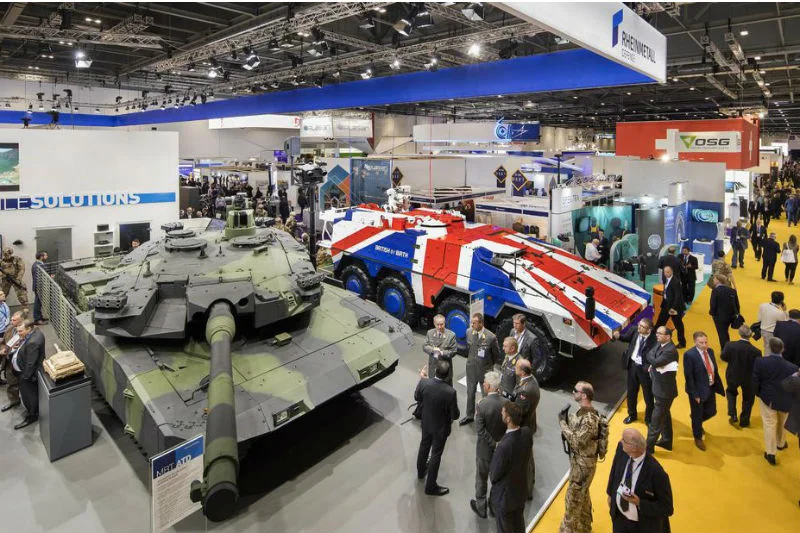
[118, 163]
[705, 181]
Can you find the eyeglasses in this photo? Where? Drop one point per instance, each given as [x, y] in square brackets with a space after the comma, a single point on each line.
[576, 390]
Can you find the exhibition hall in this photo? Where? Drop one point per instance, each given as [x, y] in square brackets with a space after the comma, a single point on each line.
[399, 267]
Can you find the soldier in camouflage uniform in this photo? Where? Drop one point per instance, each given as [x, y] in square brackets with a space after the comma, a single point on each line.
[580, 430]
[12, 269]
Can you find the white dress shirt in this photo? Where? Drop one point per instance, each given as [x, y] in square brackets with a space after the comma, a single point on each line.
[636, 464]
[637, 357]
[591, 253]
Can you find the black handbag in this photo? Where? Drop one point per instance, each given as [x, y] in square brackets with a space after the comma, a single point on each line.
[737, 321]
[756, 329]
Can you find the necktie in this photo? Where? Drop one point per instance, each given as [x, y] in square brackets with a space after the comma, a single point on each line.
[628, 481]
[709, 368]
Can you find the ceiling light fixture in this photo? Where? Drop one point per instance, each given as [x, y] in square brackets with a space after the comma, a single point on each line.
[474, 50]
[395, 65]
[757, 58]
[474, 11]
[744, 33]
[192, 67]
[252, 61]
[403, 27]
[367, 24]
[82, 60]
[367, 74]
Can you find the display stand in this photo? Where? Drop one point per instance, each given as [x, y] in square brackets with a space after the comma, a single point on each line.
[65, 414]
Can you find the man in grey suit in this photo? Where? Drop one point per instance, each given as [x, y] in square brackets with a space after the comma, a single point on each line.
[526, 396]
[440, 345]
[491, 428]
[526, 341]
[663, 360]
[482, 354]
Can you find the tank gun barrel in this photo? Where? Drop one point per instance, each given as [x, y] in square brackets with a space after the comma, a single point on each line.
[219, 491]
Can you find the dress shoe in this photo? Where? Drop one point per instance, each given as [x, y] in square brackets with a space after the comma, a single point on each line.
[474, 506]
[466, 420]
[784, 446]
[27, 421]
[770, 458]
[700, 444]
[41, 322]
[663, 444]
[629, 419]
[733, 419]
[8, 406]
[438, 491]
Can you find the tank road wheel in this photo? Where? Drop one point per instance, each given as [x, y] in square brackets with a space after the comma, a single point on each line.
[455, 310]
[356, 279]
[547, 359]
[395, 298]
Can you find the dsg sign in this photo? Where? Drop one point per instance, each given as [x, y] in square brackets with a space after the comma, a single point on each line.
[710, 141]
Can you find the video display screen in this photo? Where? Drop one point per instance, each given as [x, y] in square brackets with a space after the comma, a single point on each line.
[9, 167]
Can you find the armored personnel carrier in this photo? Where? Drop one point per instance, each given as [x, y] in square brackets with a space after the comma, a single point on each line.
[425, 261]
[227, 331]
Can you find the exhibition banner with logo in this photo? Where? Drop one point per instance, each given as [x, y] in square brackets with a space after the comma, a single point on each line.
[607, 28]
[710, 141]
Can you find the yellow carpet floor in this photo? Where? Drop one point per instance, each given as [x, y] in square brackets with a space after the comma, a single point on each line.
[730, 487]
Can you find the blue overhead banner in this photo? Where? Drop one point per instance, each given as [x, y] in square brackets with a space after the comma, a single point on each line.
[99, 199]
[513, 131]
[558, 71]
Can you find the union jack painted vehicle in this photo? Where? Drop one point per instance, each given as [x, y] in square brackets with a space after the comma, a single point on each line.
[427, 261]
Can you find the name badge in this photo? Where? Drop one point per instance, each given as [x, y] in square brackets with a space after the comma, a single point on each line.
[482, 353]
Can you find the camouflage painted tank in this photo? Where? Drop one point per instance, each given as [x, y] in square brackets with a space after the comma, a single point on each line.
[230, 332]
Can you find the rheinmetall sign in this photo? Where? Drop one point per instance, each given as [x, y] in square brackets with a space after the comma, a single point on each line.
[610, 29]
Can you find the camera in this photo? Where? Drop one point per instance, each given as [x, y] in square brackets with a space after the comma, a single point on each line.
[308, 175]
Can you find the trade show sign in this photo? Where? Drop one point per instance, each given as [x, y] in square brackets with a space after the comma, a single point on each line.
[171, 476]
[710, 141]
[607, 28]
[99, 199]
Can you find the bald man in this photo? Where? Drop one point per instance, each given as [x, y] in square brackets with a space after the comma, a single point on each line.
[639, 490]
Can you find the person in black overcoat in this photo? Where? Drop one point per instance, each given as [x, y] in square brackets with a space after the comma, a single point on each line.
[740, 356]
[509, 485]
[439, 410]
[724, 307]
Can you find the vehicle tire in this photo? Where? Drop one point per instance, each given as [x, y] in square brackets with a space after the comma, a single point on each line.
[456, 318]
[395, 297]
[548, 359]
[356, 279]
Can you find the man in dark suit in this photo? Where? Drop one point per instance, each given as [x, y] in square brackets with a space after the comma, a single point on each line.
[724, 308]
[702, 383]
[440, 344]
[526, 396]
[439, 410]
[669, 259]
[663, 361]
[509, 489]
[768, 373]
[789, 332]
[769, 253]
[672, 305]
[689, 265]
[483, 353]
[491, 428]
[740, 356]
[640, 341]
[25, 364]
[639, 490]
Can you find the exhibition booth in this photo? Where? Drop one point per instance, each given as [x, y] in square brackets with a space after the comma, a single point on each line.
[86, 193]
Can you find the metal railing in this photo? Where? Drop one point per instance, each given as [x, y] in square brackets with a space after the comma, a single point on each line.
[56, 306]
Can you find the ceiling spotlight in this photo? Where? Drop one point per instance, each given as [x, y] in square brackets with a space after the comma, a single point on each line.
[273, 45]
[675, 80]
[379, 9]
[203, 98]
[272, 85]
[163, 104]
[192, 67]
[762, 71]
[96, 109]
[336, 74]
[294, 81]
[423, 19]
[744, 33]
[367, 24]
[757, 58]
[474, 11]
[215, 70]
[691, 88]
[82, 60]
[474, 50]
[395, 65]
[252, 61]
[319, 81]
[89, 19]
[318, 49]
[286, 42]
[367, 74]
[403, 27]
[303, 33]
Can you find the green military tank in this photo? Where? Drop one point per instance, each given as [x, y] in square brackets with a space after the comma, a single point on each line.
[226, 330]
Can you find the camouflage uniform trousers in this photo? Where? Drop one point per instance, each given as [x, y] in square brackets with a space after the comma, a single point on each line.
[578, 508]
[22, 295]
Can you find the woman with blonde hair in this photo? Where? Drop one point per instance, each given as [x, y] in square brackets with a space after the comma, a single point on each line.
[789, 258]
